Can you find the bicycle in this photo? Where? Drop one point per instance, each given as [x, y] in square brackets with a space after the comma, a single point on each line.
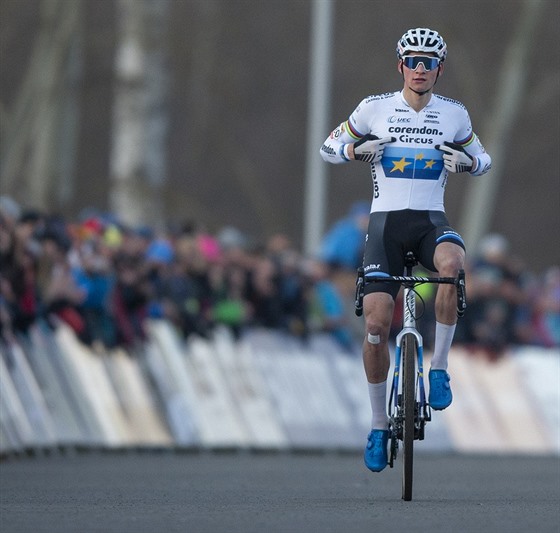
[408, 409]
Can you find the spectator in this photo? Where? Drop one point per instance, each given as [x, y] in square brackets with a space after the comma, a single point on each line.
[92, 256]
[263, 291]
[546, 317]
[178, 285]
[326, 305]
[105, 280]
[495, 294]
[229, 307]
[292, 285]
[343, 245]
[292, 289]
[60, 292]
[130, 298]
[19, 297]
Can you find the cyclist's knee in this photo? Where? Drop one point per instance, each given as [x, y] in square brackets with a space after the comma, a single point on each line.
[376, 333]
[449, 261]
[378, 317]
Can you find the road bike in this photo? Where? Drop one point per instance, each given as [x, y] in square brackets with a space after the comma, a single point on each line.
[408, 408]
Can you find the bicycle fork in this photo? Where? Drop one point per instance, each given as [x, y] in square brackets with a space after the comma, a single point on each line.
[422, 409]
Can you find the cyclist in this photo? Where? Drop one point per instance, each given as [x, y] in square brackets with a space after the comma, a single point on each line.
[411, 139]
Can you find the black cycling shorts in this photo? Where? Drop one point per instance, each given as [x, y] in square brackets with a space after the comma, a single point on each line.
[394, 233]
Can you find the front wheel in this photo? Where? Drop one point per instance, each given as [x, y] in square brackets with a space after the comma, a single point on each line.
[408, 351]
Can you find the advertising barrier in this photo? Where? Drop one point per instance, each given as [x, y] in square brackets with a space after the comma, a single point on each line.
[266, 391]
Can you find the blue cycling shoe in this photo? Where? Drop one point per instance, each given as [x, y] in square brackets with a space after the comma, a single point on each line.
[375, 455]
[440, 391]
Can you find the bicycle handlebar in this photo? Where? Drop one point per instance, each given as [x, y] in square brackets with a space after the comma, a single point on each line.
[411, 281]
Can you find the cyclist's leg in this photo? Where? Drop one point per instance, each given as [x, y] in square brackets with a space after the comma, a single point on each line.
[442, 250]
[380, 255]
[449, 258]
[378, 313]
[447, 249]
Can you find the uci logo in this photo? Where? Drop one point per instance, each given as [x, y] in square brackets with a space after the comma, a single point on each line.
[393, 119]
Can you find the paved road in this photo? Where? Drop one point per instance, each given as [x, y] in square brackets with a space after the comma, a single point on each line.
[269, 493]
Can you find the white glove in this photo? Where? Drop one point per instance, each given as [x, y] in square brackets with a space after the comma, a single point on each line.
[370, 148]
[455, 159]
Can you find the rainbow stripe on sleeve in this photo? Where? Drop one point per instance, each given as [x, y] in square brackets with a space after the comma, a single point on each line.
[468, 141]
[352, 131]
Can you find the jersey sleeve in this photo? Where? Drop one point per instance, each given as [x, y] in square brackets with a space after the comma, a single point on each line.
[334, 149]
[469, 140]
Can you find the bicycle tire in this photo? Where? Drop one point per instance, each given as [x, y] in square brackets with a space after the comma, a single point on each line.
[409, 406]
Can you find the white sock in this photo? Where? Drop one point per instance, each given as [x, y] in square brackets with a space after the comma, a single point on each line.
[442, 345]
[378, 400]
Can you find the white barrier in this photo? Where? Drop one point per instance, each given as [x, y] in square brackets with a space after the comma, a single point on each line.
[267, 390]
[248, 390]
[64, 402]
[304, 388]
[509, 405]
[164, 359]
[32, 400]
[90, 384]
[136, 397]
[16, 429]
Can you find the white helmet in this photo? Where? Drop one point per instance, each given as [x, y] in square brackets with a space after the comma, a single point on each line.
[422, 40]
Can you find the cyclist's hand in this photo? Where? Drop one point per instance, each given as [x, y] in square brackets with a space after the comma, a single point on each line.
[455, 159]
[370, 148]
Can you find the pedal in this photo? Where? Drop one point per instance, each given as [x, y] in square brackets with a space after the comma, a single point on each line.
[393, 450]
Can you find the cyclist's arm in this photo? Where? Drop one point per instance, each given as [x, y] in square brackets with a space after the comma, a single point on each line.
[482, 162]
[339, 145]
[470, 142]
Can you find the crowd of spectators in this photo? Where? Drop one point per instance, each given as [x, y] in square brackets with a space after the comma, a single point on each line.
[105, 279]
[507, 304]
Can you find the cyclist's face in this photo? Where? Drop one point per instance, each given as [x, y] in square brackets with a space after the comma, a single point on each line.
[419, 80]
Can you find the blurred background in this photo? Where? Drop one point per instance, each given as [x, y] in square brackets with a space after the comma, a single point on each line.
[159, 162]
[167, 110]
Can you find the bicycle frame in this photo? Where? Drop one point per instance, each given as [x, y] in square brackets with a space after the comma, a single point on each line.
[409, 327]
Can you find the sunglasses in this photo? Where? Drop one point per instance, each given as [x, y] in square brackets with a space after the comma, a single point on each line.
[412, 62]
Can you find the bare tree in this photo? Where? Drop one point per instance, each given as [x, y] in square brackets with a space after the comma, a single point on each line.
[39, 131]
[140, 121]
